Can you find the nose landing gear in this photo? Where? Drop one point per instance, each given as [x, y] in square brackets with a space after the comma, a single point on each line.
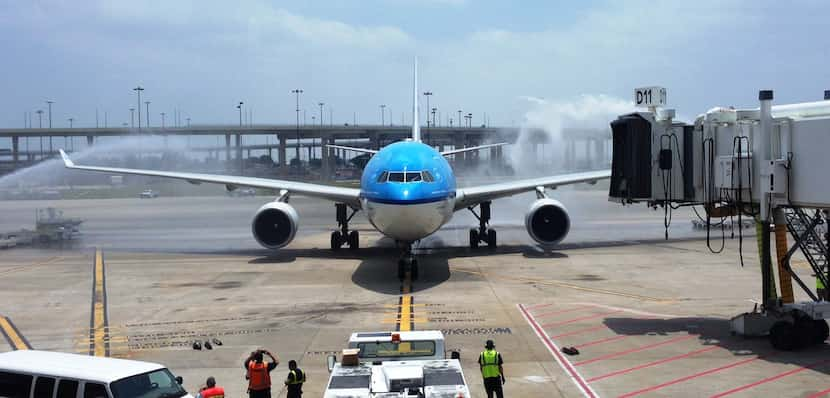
[344, 236]
[407, 263]
[483, 234]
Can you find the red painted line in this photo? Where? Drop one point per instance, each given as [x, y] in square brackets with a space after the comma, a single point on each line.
[561, 311]
[643, 348]
[554, 350]
[820, 393]
[585, 330]
[535, 306]
[600, 341]
[771, 378]
[600, 315]
[690, 377]
[650, 364]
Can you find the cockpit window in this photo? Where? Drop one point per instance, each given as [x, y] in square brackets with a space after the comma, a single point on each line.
[427, 176]
[382, 176]
[413, 177]
[396, 177]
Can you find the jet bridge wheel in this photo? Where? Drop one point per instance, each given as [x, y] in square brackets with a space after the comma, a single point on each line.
[822, 330]
[783, 336]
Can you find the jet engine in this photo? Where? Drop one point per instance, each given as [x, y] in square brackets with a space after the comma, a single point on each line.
[275, 224]
[547, 221]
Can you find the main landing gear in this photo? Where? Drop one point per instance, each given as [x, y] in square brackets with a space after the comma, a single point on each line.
[344, 236]
[407, 262]
[482, 234]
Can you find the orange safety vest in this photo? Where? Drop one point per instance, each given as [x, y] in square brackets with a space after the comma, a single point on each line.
[215, 392]
[258, 376]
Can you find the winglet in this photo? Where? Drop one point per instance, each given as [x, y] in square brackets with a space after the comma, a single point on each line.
[66, 160]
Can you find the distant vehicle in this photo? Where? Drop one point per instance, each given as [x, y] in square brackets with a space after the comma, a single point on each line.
[148, 194]
[242, 192]
[30, 374]
[396, 364]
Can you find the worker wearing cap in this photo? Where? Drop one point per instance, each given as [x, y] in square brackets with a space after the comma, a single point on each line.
[294, 381]
[492, 371]
[211, 390]
[259, 373]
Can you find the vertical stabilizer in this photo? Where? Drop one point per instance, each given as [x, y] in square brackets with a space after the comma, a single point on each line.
[416, 129]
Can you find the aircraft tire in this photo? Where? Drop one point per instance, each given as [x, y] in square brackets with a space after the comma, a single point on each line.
[414, 269]
[336, 240]
[491, 238]
[354, 240]
[473, 239]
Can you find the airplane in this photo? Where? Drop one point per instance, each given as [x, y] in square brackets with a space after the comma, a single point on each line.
[407, 190]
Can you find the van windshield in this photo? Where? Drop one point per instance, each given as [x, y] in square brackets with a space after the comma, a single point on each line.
[156, 384]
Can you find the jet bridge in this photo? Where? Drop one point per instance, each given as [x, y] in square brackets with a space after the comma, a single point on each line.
[765, 164]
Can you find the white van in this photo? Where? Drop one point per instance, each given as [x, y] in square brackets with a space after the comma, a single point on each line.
[45, 374]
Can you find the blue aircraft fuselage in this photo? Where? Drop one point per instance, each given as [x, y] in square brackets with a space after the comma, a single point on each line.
[408, 191]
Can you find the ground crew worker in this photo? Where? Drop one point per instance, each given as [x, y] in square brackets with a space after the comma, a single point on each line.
[259, 373]
[211, 390]
[295, 380]
[492, 371]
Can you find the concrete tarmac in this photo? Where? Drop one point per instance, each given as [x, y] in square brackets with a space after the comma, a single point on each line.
[649, 316]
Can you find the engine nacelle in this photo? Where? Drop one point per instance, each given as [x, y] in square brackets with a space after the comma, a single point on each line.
[547, 221]
[275, 224]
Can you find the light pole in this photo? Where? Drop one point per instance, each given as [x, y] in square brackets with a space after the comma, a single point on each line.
[459, 118]
[147, 112]
[50, 102]
[240, 112]
[470, 120]
[321, 114]
[39, 118]
[188, 122]
[382, 114]
[428, 94]
[70, 126]
[433, 116]
[132, 117]
[138, 91]
[297, 93]
[162, 120]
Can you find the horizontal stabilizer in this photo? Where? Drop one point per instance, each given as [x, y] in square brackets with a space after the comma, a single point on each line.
[350, 148]
[473, 148]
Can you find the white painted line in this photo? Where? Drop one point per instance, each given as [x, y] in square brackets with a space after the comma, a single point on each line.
[560, 359]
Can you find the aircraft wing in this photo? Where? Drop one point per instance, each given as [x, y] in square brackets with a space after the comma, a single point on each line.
[350, 196]
[474, 148]
[471, 196]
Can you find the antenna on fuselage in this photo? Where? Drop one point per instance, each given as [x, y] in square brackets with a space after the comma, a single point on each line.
[416, 130]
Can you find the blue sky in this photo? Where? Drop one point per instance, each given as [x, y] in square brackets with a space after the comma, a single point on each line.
[479, 56]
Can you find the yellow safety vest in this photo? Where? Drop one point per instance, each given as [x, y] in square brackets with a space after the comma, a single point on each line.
[490, 364]
[293, 379]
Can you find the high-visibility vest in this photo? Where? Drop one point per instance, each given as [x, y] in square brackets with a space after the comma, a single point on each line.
[294, 378]
[213, 392]
[258, 376]
[490, 364]
[819, 285]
